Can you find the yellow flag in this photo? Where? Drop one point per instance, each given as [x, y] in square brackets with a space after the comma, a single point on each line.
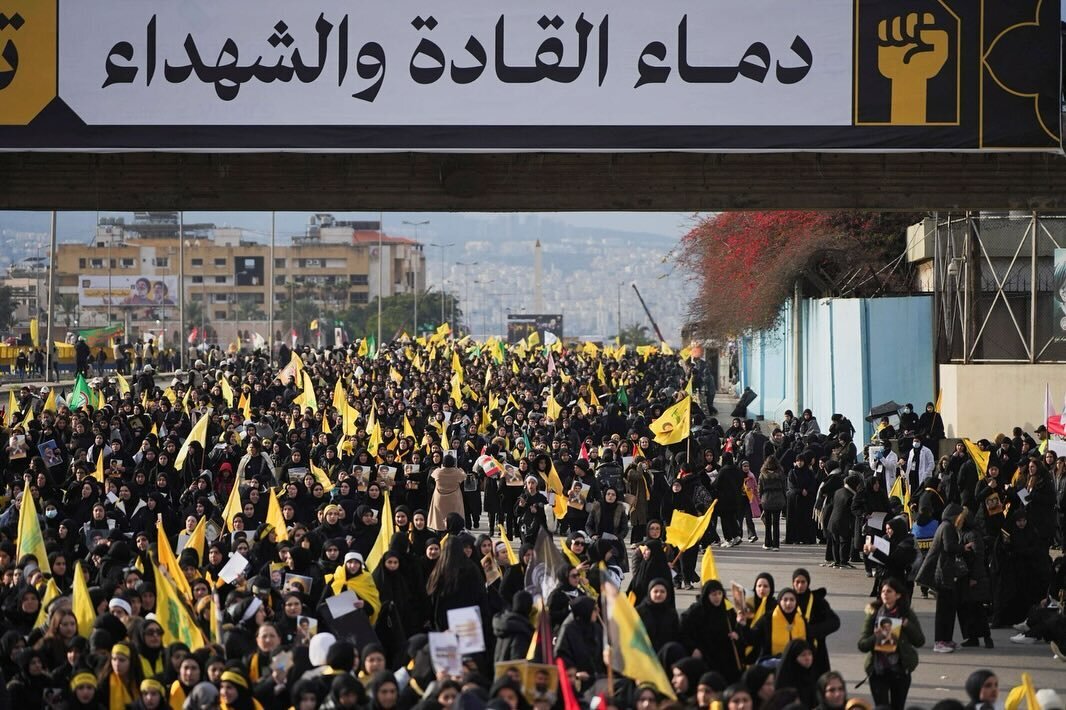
[631, 651]
[274, 517]
[666, 349]
[50, 402]
[171, 395]
[98, 474]
[457, 390]
[123, 385]
[82, 603]
[198, 539]
[197, 434]
[100, 401]
[673, 425]
[30, 541]
[364, 348]
[321, 476]
[979, 457]
[227, 391]
[408, 430]
[688, 386]
[339, 397]
[12, 406]
[172, 615]
[555, 485]
[51, 591]
[307, 397]
[381, 545]
[30, 416]
[395, 375]
[708, 568]
[685, 531]
[233, 507]
[457, 366]
[514, 367]
[533, 339]
[375, 440]
[35, 333]
[512, 558]
[326, 428]
[1025, 692]
[167, 560]
[552, 407]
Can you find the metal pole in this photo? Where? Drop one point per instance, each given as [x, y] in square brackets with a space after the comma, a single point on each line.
[181, 290]
[618, 336]
[442, 291]
[1032, 289]
[414, 270]
[966, 292]
[51, 300]
[381, 285]
[270, 289]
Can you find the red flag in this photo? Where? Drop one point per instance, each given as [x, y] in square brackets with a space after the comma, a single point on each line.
[1052, 420]
[551, 365]
[192, 335]
[584, 452]
[569, 697]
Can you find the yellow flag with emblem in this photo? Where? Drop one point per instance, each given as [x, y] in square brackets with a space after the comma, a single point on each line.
[630, 647]
[673, 425]
[30, 541]
[172, 615]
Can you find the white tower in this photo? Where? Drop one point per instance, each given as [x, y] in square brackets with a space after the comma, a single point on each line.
[538, 279]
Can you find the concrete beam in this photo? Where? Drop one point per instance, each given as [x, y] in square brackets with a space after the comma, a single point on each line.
[531, 181]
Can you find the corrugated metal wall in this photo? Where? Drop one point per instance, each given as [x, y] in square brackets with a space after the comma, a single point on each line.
[855, 353]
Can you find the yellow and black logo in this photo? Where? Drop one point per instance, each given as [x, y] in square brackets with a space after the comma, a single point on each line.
[28, 32]
[907, 64]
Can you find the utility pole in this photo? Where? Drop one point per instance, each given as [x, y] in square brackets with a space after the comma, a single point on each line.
[181, 290]
[442, 247]
[414, 272]
[51, 301]
[381, 286]
[270, 288]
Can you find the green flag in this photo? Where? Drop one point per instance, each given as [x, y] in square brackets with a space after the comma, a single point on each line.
[81, 395]
[372, 346]
[623, 397]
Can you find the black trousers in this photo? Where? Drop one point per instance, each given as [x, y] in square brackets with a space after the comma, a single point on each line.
[890, 689]
[947, 604]
[689, 573]
[730, 529]
[841, 548]
[772, 524]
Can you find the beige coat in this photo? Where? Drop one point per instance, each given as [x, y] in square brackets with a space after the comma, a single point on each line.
[447, 496]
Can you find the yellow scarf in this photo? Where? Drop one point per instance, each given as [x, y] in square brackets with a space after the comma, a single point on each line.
[150, 669]
[177, 696]
[363, 586]
[119, 696]
[781, 632]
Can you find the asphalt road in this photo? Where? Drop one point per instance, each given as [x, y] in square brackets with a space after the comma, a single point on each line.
[938, 676]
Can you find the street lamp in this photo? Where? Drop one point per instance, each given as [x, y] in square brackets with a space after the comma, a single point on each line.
[484, 326]
[414, 273]
[466, 279]
[442, 247]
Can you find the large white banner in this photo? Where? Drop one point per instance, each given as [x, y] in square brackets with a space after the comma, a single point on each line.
[502, 75]
[135, 291]
[476, 62]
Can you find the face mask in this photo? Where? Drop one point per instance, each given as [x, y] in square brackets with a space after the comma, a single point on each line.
[916, 445]
[906, 410]
[51, 513]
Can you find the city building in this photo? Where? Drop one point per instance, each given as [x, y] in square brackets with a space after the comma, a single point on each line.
[128, 275]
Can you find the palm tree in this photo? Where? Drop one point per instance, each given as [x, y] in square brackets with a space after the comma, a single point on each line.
[67, 303]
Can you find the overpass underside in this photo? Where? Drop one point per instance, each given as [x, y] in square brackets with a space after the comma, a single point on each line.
[660, 181]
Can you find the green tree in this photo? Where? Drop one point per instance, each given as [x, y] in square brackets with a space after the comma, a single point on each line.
[67, 305]
[7, 308]
[194, 314]
[635, 334]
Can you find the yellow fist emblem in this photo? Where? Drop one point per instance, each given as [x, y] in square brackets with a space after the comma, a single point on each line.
[910, 52]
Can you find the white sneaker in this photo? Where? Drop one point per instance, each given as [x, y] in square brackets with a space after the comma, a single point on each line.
[941, 647]
[1023, 639]
[725, 543]
[1022, 627]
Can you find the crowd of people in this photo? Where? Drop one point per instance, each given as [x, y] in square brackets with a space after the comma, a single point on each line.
[335, 511]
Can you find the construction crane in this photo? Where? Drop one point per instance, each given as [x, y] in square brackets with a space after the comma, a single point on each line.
[654, 325]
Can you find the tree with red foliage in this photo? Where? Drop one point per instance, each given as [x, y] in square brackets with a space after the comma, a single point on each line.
[747, 263]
